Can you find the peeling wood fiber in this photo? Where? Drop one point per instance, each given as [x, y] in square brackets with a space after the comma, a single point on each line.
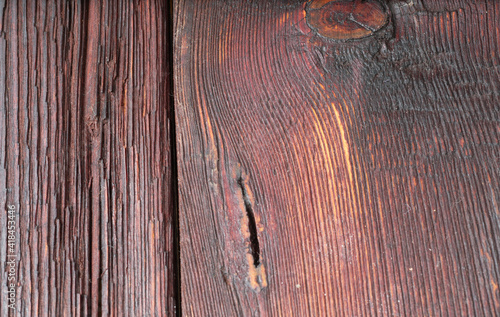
[85, 156]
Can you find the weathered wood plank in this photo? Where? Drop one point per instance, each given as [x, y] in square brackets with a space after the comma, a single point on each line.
[85, 157]
[327, 176]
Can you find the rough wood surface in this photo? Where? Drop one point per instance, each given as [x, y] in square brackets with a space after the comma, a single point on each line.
[320, 177]
[85, 156]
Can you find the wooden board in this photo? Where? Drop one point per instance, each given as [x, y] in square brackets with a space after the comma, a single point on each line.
[326, 170]
[85, 157]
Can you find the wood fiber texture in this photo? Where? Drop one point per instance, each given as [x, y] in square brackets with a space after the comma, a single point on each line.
[85, 156]
[326, 177]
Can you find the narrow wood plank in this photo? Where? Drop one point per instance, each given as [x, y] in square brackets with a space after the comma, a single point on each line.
[321, 175]
[85, 157]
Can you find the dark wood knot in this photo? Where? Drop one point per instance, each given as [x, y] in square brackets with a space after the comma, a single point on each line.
[344, 19]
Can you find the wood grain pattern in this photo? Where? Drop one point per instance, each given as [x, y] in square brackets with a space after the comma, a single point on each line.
[346, 20]
[85, 156]
[323, 178]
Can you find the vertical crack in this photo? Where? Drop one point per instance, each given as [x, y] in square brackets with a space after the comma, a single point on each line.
[256, 271]
[252, 225]
[169, 13]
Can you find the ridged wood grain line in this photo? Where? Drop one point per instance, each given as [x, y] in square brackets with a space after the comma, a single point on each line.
[368, 168]
[85, 157]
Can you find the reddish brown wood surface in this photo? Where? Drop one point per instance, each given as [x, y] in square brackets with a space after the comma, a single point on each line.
[85, 157]
[320, 177]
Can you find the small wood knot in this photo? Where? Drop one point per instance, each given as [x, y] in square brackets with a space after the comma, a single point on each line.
[346, 19]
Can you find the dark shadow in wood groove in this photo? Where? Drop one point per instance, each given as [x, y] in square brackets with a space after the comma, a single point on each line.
[173, 162]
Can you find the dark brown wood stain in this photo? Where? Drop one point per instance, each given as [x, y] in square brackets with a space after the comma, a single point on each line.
[372, 163]
[85, 156]
[327, 157]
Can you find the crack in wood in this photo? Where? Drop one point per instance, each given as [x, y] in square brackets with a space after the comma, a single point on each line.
[256, 270]
[252, 226]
